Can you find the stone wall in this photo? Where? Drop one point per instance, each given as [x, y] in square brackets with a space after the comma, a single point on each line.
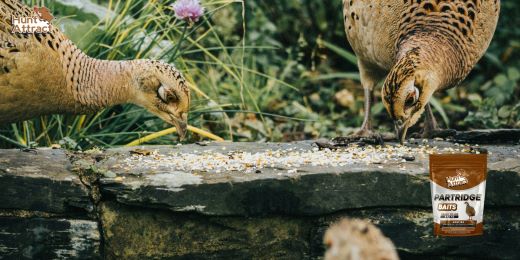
[88, 205]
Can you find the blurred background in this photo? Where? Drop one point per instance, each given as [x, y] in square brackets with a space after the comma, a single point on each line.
[278, 70]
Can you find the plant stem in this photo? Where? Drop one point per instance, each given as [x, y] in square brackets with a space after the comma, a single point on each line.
[178, 46]
[172, 130]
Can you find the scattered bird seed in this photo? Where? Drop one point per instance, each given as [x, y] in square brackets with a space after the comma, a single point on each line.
[287, 160]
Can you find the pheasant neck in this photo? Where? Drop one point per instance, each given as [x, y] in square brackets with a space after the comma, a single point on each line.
[436, 59]
[100, 83]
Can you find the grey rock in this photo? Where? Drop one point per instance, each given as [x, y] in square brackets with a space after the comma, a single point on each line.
[136, 233]
[489, 136]
[411, 231]
[42, 238]
[41, 181]
[46, 211]
[308, 192]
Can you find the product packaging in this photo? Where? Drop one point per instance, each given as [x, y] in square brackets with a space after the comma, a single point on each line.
[458, 184]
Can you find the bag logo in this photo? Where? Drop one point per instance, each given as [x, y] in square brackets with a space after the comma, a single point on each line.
[457, 180]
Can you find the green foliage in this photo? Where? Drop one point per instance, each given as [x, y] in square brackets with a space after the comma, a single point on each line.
[277, 70]
[494, 85]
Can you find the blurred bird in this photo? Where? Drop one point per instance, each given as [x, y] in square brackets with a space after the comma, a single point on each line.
[420, 47]
[353, 239]
[46, 73]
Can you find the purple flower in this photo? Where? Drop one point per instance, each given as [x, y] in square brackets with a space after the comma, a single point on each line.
[188, 10]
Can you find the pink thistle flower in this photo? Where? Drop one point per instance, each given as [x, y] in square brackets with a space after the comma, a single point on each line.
[188, 10]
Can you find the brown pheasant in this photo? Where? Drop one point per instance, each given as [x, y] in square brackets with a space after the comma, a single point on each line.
[46, 73]
[352, 239]
[420, 46]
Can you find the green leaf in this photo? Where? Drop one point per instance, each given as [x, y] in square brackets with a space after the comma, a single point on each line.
[455, 108]
[497, 95]
[475, 99]
[83, 34]
[513, 74]
[346, 75]
[493, 59]
[500, 79]
[437, 105]
[377, 108]
[504, 112]
[342, 52]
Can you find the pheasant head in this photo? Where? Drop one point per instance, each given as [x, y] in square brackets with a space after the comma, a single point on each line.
[407, 90]
[357, 239]
[163, 91]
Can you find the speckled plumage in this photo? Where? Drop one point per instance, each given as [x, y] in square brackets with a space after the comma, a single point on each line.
[419, 46]
[46, 73]
[352, 239]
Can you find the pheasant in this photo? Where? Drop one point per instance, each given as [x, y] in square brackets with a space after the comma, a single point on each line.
[46, 73]
[419, 47]
[357, 239]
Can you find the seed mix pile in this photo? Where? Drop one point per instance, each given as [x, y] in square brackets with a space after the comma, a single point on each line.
[288, 159]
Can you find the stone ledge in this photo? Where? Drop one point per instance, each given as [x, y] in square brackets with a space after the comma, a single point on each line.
[41, 181]
[48, 238]
[152, 213]
[310, 191]
[45, 210]
[135, 232]
[411, 230]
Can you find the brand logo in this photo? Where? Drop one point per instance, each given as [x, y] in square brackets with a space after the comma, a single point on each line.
[457, 180]
[40, 22]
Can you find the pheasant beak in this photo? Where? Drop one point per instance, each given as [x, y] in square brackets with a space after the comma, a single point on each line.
[181, 124]
[400, 129]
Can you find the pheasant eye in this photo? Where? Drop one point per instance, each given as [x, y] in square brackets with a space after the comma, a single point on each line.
[410, 101]
[167, 97]
[412, 97]
[173, 97]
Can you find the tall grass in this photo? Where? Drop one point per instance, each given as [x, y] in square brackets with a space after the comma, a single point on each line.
[277, 70]
[224, 78]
